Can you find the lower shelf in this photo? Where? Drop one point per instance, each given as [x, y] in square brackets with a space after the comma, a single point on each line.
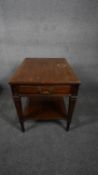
[45, 108]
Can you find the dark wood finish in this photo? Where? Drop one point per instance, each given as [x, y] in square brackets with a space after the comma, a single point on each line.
[72, 102]
[44, 71]
[45, 108]
[50, 89]
[17, 102]
[46, 81]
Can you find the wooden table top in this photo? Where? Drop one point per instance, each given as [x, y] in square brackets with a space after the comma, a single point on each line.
[44, 71]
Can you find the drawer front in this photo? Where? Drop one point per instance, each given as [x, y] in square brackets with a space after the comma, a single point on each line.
[62, 89]
[24, 89]
[44, 90]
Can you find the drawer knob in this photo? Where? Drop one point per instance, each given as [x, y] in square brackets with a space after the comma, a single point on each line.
[45, 92]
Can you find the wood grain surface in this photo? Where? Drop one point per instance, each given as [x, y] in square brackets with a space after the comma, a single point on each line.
[44, 71]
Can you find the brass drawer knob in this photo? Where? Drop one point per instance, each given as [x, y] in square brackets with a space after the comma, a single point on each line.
[45, 92]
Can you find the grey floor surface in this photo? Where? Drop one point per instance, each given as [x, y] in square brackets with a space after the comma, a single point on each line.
[45, 147]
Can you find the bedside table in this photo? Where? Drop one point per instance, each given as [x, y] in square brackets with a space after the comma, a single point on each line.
[45, 82]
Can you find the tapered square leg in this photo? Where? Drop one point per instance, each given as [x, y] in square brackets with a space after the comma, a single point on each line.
[18, 105]
[71, 107]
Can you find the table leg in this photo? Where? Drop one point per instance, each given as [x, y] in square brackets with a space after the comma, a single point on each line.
[72, 102]
[18, 105]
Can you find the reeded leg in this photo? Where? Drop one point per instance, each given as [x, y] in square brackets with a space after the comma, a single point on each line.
[72, 102]
[18, 105]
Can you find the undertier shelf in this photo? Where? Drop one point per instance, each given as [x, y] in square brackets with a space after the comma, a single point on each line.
[45, 108]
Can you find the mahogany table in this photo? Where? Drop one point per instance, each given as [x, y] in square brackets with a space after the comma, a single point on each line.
[45, 82]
